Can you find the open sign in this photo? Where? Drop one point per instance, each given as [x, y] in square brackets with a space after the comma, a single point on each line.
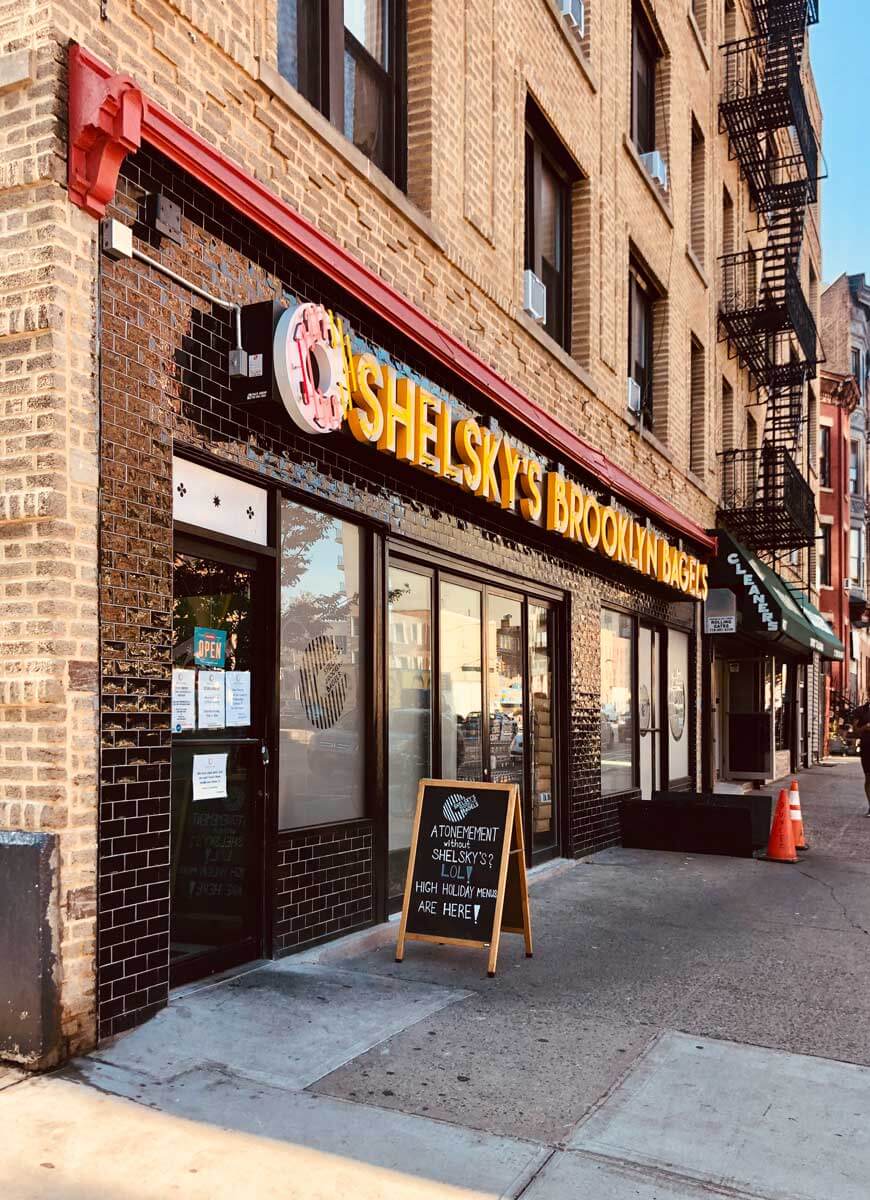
[209, 647]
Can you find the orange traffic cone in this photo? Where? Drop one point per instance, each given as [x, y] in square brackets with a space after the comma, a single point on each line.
[794, 806]
[780, 846]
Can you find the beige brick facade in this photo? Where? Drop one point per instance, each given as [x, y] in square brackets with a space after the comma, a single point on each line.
[453, 245]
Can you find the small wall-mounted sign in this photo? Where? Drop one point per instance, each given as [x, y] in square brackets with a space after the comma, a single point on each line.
[720, 611]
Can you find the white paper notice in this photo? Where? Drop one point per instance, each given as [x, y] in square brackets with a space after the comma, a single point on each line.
[211, 700]
[183, 700]
[209, 776]
[238, 698]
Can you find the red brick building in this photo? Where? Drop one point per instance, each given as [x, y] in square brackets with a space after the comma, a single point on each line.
[840, 397]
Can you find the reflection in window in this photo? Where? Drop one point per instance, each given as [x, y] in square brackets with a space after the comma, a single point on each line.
[505, 689]
[410, 709]
[321, 760]
[617, 741]
[461, 683]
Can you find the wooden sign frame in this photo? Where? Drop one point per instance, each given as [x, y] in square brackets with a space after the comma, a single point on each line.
[513, 846]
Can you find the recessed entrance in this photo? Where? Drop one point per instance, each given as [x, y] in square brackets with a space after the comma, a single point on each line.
[221, 683]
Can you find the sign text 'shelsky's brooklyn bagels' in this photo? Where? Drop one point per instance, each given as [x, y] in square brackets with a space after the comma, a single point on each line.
[324, 384]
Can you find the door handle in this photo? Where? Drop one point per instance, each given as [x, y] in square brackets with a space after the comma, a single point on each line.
[264, 753]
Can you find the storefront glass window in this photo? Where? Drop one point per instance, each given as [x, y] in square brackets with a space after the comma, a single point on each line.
[505, 683]
[678, 706]
[461, 683]
[321, 759]
[542, 732]
[410, 709]
[617, 742]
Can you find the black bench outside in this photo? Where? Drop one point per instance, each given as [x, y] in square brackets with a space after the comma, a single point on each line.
[698, 822]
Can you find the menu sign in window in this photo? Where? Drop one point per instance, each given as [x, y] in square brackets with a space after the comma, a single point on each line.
[466, 875]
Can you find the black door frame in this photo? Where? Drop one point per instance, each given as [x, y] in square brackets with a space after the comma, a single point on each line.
[261, 561]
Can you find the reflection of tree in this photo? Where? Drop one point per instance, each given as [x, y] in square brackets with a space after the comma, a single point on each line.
[307, 614]
[301, 528]
[216, 595]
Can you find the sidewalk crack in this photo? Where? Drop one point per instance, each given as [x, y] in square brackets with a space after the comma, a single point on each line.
[830, 888]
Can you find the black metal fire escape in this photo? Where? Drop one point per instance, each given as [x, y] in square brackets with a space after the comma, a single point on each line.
[763, 311]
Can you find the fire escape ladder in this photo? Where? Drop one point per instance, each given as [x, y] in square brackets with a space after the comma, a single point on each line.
[763, 311]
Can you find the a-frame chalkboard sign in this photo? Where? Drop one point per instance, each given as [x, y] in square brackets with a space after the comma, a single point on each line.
[466, 881]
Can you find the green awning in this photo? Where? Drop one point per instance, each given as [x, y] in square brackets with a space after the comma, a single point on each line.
[768, 608]
[833, 647]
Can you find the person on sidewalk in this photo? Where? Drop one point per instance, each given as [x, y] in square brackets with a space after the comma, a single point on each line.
[861, 729]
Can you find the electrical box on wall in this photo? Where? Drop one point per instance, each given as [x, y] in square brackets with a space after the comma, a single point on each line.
[258, 329]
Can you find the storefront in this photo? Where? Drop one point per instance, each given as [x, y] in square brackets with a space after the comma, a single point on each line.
[767, 643]
[329, 578]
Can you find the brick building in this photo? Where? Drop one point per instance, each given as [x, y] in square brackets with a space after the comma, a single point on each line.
[368, 414]
[845, 328]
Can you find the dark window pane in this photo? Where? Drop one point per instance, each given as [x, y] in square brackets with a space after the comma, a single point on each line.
[643, 91]
[530, 202]
[300, 48]
[367, 21]
[367, 111]
[825, 456]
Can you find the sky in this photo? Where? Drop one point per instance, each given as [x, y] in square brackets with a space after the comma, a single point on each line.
[840, 51]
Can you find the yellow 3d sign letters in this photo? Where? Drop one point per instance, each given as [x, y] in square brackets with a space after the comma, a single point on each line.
[394, 413]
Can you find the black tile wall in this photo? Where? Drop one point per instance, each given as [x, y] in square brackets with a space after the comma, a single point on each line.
[324, 884]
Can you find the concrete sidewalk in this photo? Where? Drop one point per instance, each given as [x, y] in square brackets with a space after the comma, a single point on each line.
[689, 1026]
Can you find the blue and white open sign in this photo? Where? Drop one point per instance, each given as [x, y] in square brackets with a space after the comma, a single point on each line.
[209, 647]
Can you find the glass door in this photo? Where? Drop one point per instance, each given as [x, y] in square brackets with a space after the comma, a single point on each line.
[471, 696]
[220, 680]
[649, 711]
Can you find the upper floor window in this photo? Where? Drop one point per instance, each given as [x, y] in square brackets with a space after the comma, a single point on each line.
[699, 12]
[854, 468]
[347, 57]
[697, 193]
[824, 456]
[823, 562]
[856, 557]
[550, 174]
[644, 60]
[641, 302]
[858, 367]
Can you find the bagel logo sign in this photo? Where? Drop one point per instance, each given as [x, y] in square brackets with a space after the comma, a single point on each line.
[324, 384]
[310, 369]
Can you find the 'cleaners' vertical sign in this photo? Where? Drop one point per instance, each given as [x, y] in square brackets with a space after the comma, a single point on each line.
[466, 875]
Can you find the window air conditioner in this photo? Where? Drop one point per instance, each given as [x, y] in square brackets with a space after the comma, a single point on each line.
[634, 398]
[656, 167]
[574, 13]
[534, 296]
